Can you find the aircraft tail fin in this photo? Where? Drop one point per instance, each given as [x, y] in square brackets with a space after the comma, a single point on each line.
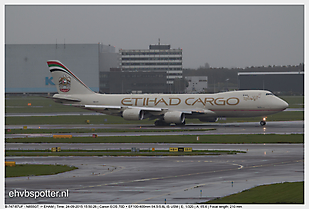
[66, 82]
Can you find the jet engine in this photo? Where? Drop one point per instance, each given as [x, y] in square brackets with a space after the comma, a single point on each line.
[133, 114]
[209, 119]
[174, 117]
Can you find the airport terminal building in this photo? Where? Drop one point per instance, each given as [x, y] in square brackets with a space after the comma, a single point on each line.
[151, 70]
[159, 57]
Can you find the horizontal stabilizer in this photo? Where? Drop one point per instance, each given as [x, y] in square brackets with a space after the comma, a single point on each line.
[65, 100]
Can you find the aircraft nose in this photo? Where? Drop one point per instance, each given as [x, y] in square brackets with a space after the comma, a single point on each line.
[284, 104]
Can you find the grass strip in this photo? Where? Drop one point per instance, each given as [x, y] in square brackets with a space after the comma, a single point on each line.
[36, 104]
[89, 130]
[36, 170]
[107, 119]
[220, 139]
[282, 193]
[294, 101]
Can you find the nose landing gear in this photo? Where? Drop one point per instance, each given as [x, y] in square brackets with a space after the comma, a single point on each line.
[263, 122]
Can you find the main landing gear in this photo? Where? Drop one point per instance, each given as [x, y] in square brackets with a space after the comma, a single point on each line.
[263, 122]
[161, 123]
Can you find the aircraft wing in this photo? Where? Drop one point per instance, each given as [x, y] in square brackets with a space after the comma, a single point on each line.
[149, 109]
[108, 107]
[196, 111]
[203, 111]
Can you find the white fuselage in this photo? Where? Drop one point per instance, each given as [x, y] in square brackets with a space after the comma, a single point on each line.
[167, 108]
[249, 103]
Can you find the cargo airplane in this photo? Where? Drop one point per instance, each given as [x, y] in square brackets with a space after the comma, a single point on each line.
[166, 108]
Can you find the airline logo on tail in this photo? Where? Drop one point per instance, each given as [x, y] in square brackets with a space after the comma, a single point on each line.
[65, 80]
[65, 83]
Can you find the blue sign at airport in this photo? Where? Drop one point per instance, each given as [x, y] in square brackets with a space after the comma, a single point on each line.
[48, 81]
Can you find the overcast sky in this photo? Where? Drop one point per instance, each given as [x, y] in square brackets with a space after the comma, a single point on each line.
[223, 36]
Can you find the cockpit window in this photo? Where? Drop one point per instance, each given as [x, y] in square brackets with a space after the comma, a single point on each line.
[267, 94]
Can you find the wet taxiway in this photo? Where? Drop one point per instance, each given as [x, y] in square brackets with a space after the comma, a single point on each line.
[112, 180]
